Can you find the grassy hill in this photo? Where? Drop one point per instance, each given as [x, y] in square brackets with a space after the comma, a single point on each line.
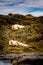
[32, 34]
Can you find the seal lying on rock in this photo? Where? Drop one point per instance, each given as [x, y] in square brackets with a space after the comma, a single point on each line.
[16, 43]
[17, 26]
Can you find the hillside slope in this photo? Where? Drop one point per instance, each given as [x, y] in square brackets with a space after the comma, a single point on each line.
[31, 34]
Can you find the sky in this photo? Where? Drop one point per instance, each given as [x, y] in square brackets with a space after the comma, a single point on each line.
[34, 7]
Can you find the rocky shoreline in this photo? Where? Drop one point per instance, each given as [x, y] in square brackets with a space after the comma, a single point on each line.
[24, 55]
[17, 58]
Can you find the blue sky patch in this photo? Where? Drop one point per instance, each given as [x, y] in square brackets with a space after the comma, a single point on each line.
[34, 9]
[14, 4]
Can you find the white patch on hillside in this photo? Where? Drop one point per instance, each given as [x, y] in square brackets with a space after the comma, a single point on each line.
[16, 43]
[17, 26]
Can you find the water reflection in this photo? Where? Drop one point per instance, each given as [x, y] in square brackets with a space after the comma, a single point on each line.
[5, 62]
[25, 62]
[32, 62]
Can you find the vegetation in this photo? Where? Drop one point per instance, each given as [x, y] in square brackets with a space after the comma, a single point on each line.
[32, 34]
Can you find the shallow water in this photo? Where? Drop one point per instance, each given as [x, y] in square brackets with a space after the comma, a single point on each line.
[26, 62]
[5, 62]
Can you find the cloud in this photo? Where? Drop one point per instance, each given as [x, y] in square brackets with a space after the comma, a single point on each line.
[13, 10]
[37, 13]
[14, 4]
[21, 6]
[28, 3]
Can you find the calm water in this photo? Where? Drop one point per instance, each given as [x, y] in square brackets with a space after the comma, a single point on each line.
[5, 62]
[32, 62]
[26, 62]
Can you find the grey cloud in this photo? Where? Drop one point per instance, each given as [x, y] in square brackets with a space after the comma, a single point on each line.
[26, 3]
[21, 7]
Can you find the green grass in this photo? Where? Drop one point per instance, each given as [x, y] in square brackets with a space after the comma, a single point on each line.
[34, 39]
